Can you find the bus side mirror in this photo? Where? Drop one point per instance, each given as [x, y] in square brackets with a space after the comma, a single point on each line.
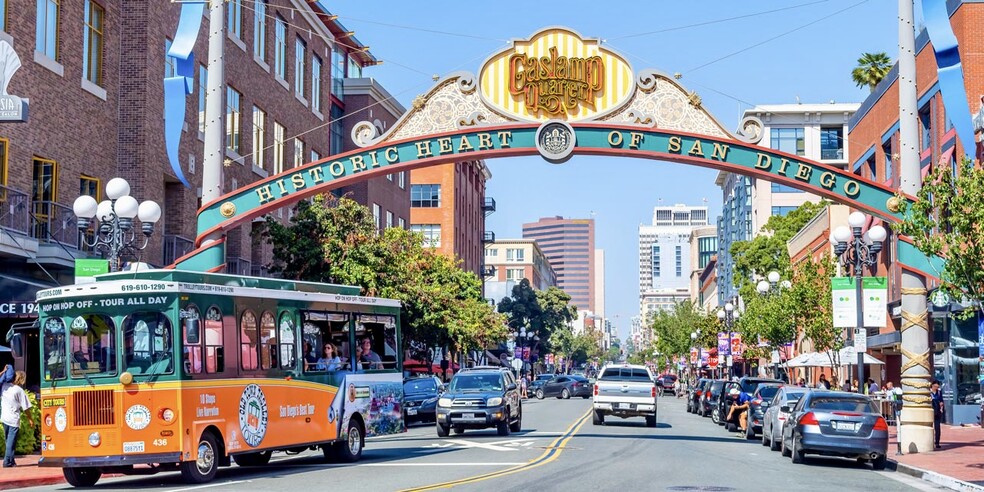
[191, 333]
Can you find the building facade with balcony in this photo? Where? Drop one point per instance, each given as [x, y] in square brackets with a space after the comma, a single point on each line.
[513, 260]
[569, 245]
[814, 131]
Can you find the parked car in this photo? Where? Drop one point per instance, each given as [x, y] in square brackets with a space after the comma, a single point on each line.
[746, 385]
[833, 423]
[624, 390]
[694, 394]
[775, 417]
[420, 399]
[761, 400]
[478, 399]
[565, 387]
[665, 382]
[538, 381]
[712, 397]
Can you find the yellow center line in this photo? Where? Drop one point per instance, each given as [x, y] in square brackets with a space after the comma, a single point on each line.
[551, 453]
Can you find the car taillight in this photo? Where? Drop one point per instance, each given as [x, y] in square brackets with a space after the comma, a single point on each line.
[809, 419]
[757, 401]
[653, 392]
[700, 393]
[596, 390]
[880, 425]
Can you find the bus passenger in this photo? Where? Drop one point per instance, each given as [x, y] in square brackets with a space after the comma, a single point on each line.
[310, 359]
[368, 356]
[329, 361]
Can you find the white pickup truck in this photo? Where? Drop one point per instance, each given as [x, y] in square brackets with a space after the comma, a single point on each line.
[625, 390]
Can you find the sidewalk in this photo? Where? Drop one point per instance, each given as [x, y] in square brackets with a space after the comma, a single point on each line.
[958, 465]
[27, 473]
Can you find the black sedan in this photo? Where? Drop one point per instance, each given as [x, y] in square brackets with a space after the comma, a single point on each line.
[420, 399]
[565, 387]
[537, 382]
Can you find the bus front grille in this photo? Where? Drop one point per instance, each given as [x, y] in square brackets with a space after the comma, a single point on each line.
[93, 408]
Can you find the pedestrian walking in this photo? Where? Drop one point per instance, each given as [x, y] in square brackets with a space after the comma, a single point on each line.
[823, 383]
[939, 411]
[13, 401]
[523, 384]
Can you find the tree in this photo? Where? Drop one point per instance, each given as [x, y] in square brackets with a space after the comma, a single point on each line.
[672, 329]
[947, 220]
[767, 324]
[812, 305]
[541, 312]
[871, 69]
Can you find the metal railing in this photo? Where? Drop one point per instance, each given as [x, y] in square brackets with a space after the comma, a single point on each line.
[261, 271]
[236, 265]
[14, 214]
[488, 237]
[489, 206]
[831, 154]
[175, 247]
[55, 223]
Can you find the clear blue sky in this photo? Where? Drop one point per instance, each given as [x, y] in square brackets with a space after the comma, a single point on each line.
[733, 54]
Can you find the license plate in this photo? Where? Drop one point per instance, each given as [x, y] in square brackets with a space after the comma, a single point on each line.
[411, 411]
[625, 406]
[468, 415]
[846, 426]
[133, 447]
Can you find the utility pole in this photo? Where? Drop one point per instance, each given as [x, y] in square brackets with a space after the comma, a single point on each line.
[213, 159]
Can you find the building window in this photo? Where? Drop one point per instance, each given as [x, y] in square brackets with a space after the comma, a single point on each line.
[88, 186]
[298, 152]
[4, 153]
[872, 169]
[259, 138]
[389, 219]
[235, 18]
[654, 261]
[170, 64]
[790, 140]
[926, 127]
[316, 83]
[832, 143]
[337, 131]
[278, 148]
[389, 177]
[515, 254]
[781, 188]
[375, 214]
[233, 118]
[47, 28]
[259, 29]
[782, 210]
[403, 181]
[425, 195]
[403, 223]
[337, 72]
[92, 42]
[45, 192]
[354, 69]
[431, 232]
[315, 156]
[516, 274]
[3, 15]
[300, 52]
[280, 48]
[887, 149]
[491, 252]
[202, 91]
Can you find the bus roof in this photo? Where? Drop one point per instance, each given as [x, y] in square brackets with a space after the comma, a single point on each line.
[230, 280]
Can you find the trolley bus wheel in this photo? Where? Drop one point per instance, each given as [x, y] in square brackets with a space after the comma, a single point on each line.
[82, 476]
[350, 450]
[253, 459]
[204, 468]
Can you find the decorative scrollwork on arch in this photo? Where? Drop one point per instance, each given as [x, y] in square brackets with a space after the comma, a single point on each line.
[750, 130]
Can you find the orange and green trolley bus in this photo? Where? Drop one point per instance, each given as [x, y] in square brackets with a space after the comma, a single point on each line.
[173, 370]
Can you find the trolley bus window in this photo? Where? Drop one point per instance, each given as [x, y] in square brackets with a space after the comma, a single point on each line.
[319, 330]
[376, 336]
[214, 355]
[248, 340]
[191, 329]
[288, 349]
[147, 342]
[93, 345]
[54, 349]
[268, 341]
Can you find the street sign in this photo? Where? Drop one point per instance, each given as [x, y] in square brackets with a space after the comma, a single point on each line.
[860, 340]
[874, 301]
[517, 364]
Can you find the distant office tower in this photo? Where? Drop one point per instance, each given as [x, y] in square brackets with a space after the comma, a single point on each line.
[664, 256]
[569, 246]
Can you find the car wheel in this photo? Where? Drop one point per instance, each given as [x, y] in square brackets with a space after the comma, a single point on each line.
[765, 438]
[565, 394]
[502, 428]
[783, 450]
[518, 424]
[749, 431]
[82, 476]
[597, 418]
[539, 394]
[585, 397]
[773, 445]
[796, 453]
[650, 421]
[203, 468]
[458, 430]
[879, 462]
[442, 430]
[730, 427]
[715, 416]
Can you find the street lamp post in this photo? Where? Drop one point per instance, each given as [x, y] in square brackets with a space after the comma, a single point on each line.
[857, 251]
[728, 316]
[693, 343]
[772, 287]
[114, 217]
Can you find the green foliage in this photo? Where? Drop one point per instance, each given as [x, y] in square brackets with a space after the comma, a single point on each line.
[767, 252]
[29, 435]
[612, 355]
[812, 304]
[871, 69]
[947, 220]
[767, 319]
[541, 312]
[335, 241]
[578, 348]
[672, 329]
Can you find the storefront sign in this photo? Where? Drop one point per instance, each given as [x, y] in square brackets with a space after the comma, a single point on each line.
[12, 108]
[874, 291]
[17, 309]
[90, 267]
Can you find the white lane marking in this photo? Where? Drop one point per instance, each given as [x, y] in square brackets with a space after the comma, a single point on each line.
[209, 485]
[507, 445]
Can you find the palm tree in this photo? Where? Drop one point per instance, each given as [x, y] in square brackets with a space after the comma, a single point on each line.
[871, 69]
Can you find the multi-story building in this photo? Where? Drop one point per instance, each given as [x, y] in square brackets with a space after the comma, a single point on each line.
[875, 150]
[703, 251]
[707, 287]
[599, 290]
[516, 259]
[814, 131]
[448, 206]
[569, 246]
[665, 256]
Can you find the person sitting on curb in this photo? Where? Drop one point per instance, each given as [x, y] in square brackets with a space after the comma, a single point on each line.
[740, 406]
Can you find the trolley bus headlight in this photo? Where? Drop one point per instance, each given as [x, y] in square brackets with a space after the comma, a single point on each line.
[94, 439]
[444, 402]
[167, 415]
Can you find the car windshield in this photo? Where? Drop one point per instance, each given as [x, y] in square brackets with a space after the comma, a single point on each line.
[420, 386]
[768, 392]
[476, 382]
[843, 405]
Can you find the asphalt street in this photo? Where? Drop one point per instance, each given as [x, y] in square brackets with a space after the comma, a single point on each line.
[558, 449]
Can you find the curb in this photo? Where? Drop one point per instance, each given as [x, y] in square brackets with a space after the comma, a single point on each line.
[31, 482]
[938, 478]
